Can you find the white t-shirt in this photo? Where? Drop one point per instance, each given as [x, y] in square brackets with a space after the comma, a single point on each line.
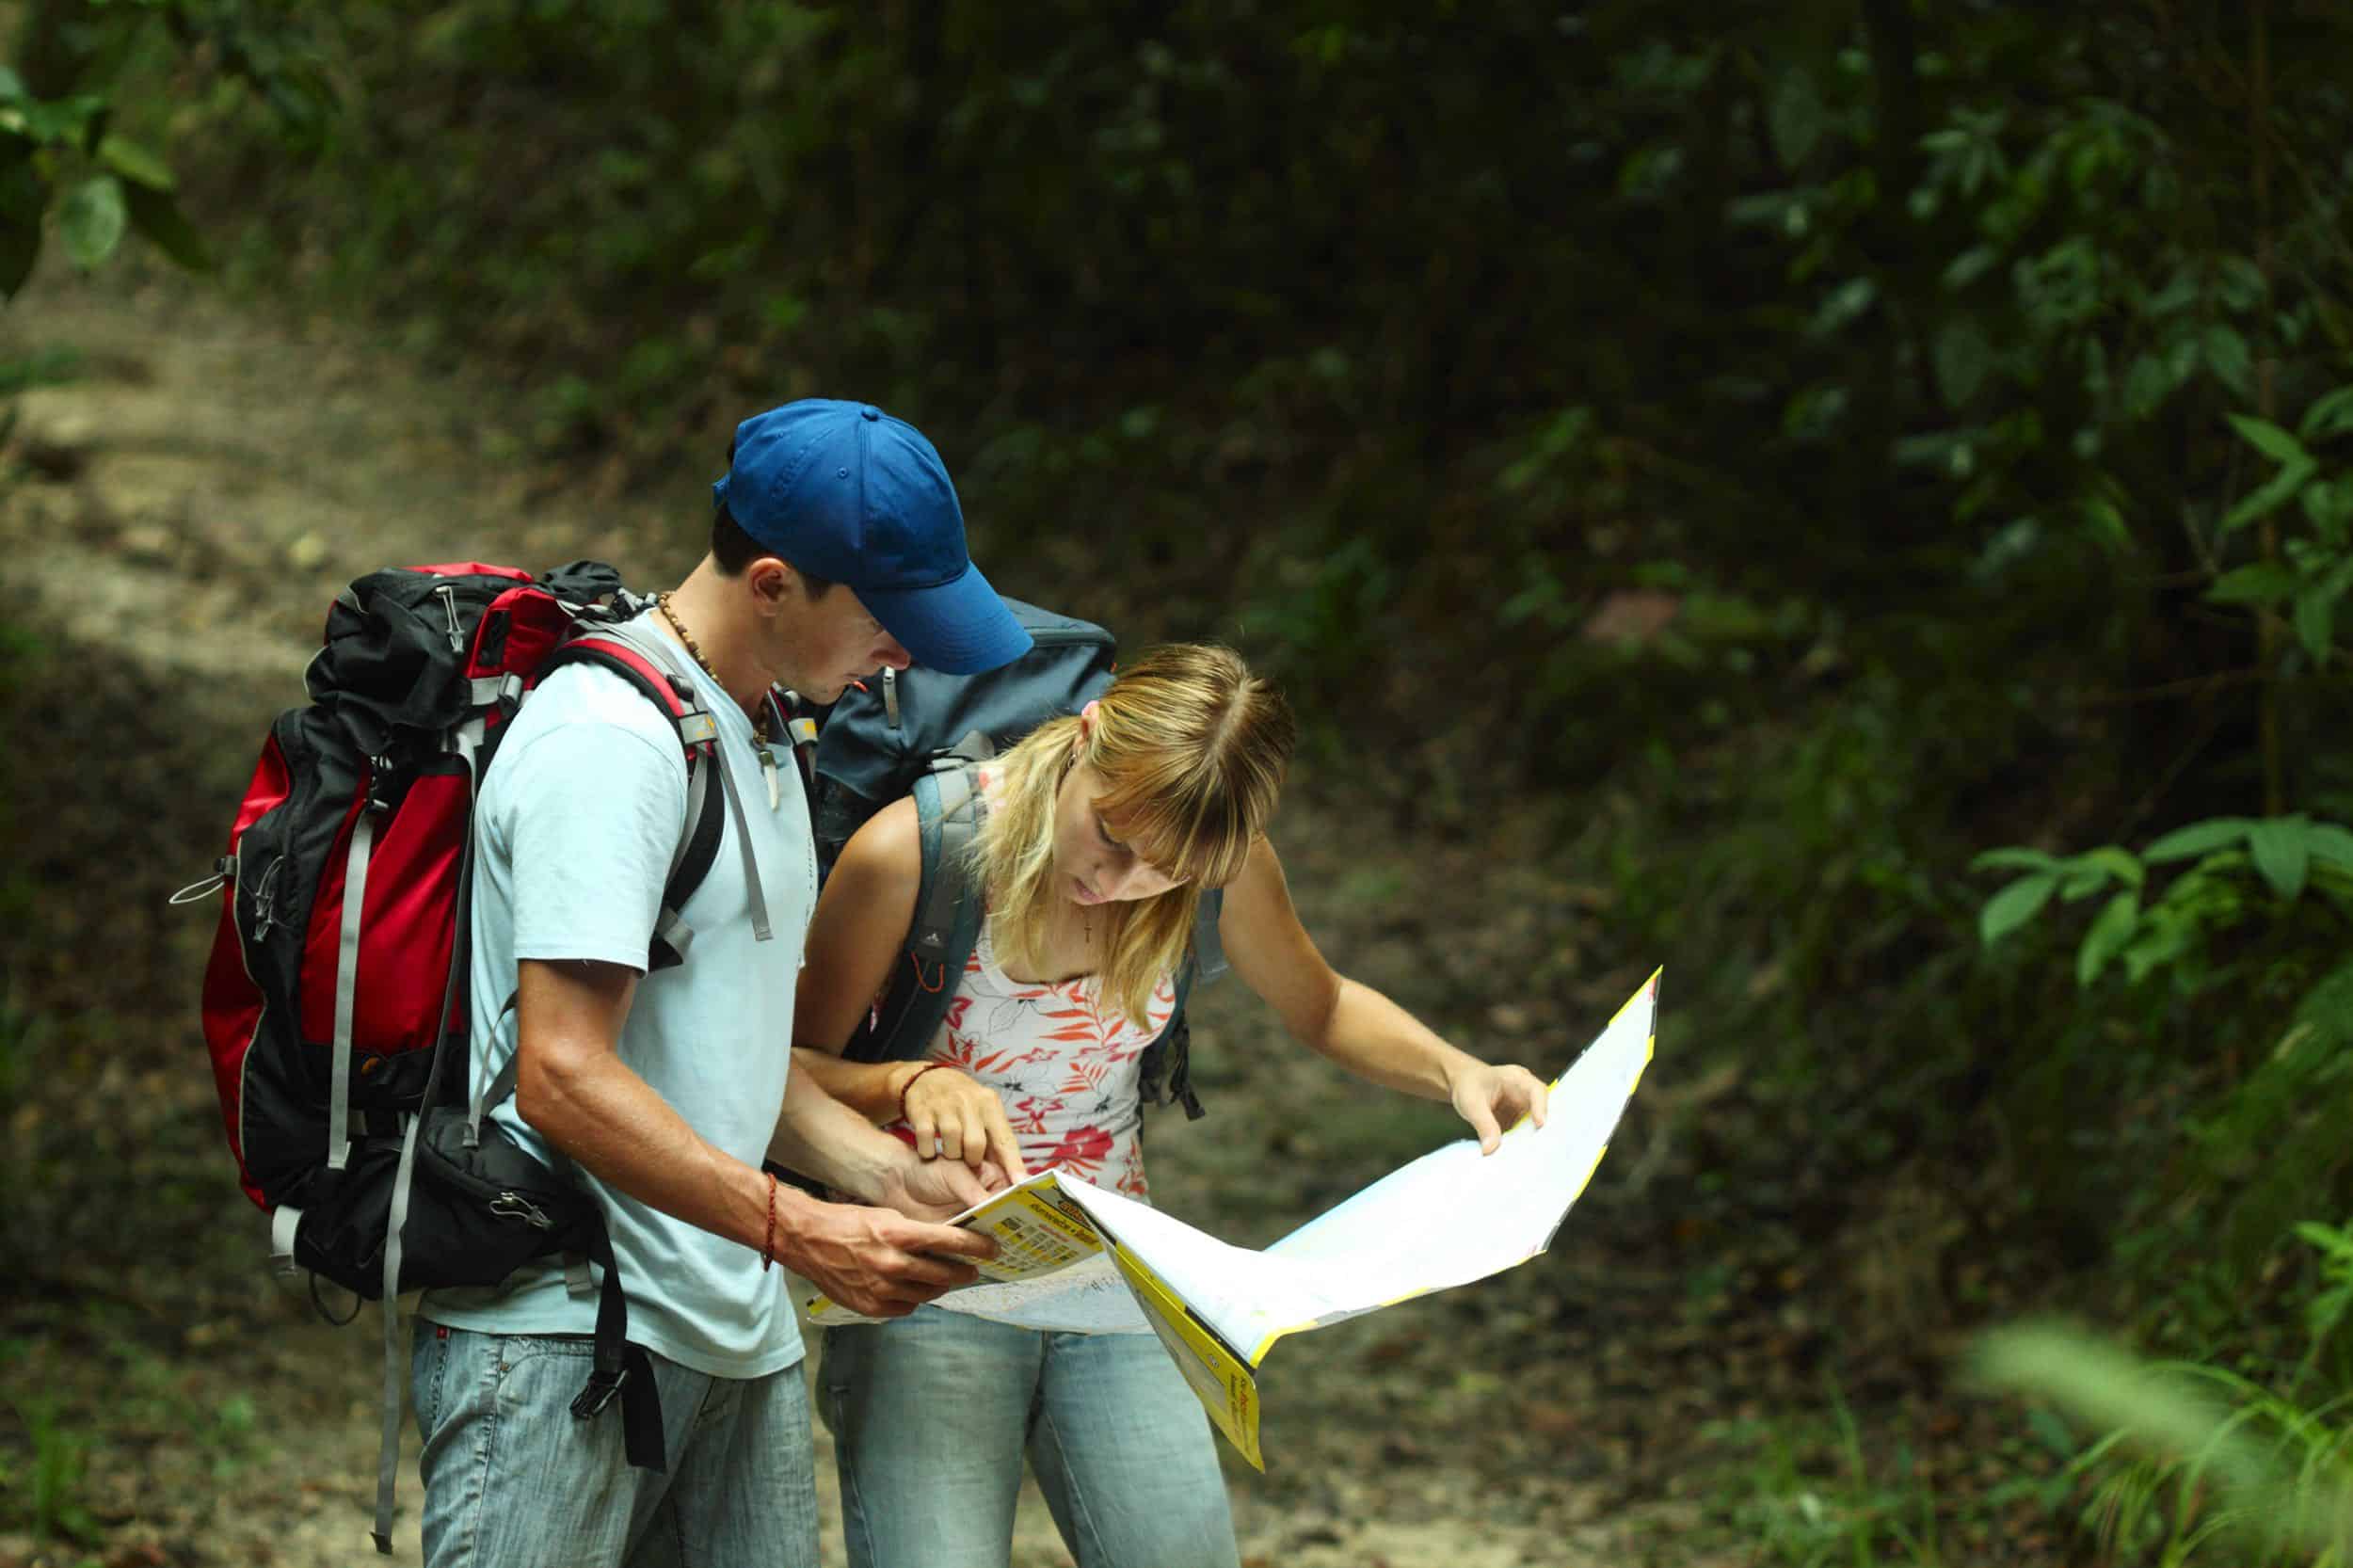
[579, 815]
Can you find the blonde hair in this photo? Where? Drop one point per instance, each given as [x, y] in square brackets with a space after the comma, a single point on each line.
[1191, 749]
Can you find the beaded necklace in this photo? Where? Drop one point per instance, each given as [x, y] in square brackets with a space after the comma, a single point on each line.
[759, 718]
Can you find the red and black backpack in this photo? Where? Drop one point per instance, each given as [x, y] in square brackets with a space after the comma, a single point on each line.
[335, 1002]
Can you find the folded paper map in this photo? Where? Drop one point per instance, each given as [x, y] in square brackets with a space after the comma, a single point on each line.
[1074, 1257]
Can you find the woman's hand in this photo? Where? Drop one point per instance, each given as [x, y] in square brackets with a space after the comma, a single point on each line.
[1492, 1097]
[953, 1115]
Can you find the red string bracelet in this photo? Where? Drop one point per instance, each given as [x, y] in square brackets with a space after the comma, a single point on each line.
[768, 1247]
[910, 1084]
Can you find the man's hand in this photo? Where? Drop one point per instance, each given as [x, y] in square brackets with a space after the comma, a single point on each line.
[955, 1115]
[877, 1263]
[1494, 1097]
[937, 1189]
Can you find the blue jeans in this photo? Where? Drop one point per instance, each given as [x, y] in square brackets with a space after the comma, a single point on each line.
[511, 1479]
[932, 1414]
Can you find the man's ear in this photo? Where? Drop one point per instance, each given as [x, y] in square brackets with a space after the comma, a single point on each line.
[770, 579]
[1086, 718]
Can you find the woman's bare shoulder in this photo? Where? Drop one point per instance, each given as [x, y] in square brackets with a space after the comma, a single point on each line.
[887, 848]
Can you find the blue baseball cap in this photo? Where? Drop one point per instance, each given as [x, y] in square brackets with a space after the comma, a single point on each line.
[844, 492]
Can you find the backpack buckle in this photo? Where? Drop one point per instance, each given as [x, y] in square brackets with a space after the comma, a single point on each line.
[603, 1388]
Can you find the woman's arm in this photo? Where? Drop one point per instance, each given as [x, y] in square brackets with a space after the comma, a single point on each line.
[870, 1088]
[1351, 1023]
[856, 933]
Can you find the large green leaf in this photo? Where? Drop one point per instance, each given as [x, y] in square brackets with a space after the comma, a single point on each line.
[2316, 621]
[1970, 265]
[2198, 838]
[2227, 357]
[2330, 844]
[93, 220]
[2282, 850]
[2268, 438]
[2014, 858]
[2115, 861]
[1794, 118]
[135, 163]
[2272, 494]
[2257, 583]
[2110, 930]
[2014, 906]
[2330, 416]
[1964, 358]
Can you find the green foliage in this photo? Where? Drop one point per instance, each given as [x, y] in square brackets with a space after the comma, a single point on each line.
[1810, 1501]
[2333, 1303]
[2234, 861]
[52, 1486]
[59, 145]
[2307, 585]
[2199, 1464]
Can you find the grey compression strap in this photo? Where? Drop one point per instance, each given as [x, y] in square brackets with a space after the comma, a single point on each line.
[388, 1448]
[285, 1220]
[346, 983]
[743, 844]
[500, 1085]
[1209, 942]
[491, 691]
[464, 741]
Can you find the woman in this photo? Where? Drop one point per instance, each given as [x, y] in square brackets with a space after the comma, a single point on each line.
[1102, 832]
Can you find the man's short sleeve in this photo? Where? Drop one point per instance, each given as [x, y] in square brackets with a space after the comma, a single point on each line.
[591, 814]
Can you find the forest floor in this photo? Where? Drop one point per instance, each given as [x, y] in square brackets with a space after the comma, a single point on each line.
[174, 520]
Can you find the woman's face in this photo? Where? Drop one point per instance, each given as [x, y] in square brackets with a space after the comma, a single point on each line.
[1092, 861]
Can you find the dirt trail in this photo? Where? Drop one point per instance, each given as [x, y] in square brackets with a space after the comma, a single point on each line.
[189, 505]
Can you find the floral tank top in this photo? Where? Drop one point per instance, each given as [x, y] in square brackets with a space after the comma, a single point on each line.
[1066, 1068]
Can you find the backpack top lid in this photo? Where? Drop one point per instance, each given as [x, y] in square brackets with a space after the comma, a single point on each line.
[875, 738]
[401, 643]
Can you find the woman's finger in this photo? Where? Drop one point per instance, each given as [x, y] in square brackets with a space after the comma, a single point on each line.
[1002, 1146]
[975, 1134]
[1481, 1117]
[926, 1131]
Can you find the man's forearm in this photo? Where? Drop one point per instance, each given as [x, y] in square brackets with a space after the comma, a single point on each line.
[613, 1125]
[821, 1136]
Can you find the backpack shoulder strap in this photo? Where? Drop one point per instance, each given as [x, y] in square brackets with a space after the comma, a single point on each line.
[1208, 948]
[1165, 1074]
[946, 927]
[699, 736]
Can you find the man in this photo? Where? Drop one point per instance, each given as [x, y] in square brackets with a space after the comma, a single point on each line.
[838, 546]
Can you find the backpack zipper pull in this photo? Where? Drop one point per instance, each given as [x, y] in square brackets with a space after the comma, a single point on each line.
[224, 873]
[448, 596]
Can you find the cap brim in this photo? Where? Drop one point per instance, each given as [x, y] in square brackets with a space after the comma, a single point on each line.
[957, 627]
